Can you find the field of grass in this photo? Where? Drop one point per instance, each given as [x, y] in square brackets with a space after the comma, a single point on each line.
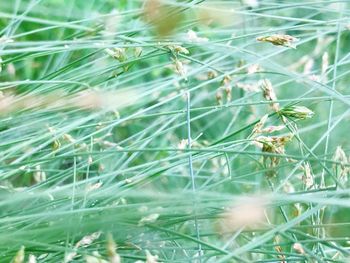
[174, 131]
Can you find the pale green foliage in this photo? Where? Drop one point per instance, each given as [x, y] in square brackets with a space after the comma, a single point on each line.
[95, 160]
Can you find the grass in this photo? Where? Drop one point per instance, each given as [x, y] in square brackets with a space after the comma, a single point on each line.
[174, 131]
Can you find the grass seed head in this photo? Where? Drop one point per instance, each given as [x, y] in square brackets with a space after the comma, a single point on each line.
[297, 112]
[192, 37]
[94, 259]
[39, 175]
[180, 68]
[299, 248]
[258, 127]
[219, 96]
[226, 86]
[88, 240]
[179, 49]
[279, 40]
[117, 53]
[148, 219]
[31, 259]
[251, 3]
[138, 52]
[274, 145]
[150, 258]
[113, 256]
[308, 178]
[344, 171]
[254, 68]
[212, 74]
[19, 257]
[269, 93]
[272, 129]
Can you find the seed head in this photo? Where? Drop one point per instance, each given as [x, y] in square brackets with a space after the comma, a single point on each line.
[148, 219]
[340, 156]
[274, 145]
[179, 49]
[299, 248]
[150, 258]
[297, 112]
[31, 259]
[272, 129]
[192, 37]
[212, 74]
[269, 93]
[19, 257]
[258, 127]
[254, 68]
[117, 53]
[137, 51]
[180, 68]
[219, 96]
[111, 250]
[308, 177]
[279, 40]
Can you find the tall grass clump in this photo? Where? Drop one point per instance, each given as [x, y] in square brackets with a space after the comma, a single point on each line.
[174, 131]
